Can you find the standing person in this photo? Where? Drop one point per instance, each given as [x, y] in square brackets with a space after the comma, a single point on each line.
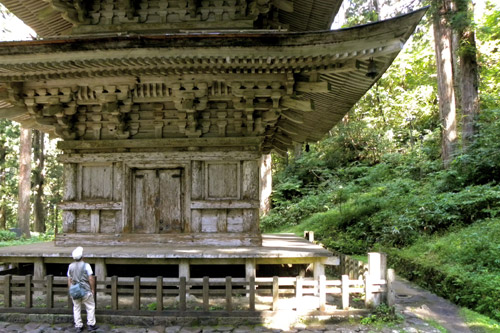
[81, 272]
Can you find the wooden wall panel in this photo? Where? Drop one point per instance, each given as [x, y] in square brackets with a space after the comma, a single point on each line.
[97, 182]
[250, 180]
[108, 221]
[223, 181]
[170, 207]
[197, 180]
[235, 220]
[209, 220]
[144, 196]
[83, 221]
[70, 181]
[117, 181]
[196, 216]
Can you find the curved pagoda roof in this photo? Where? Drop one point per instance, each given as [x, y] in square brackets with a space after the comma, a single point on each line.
[62, 17]
[270, 87]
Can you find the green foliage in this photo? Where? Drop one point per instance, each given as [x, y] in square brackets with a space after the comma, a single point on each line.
[377, 181]
[463, 266]
[383, 314]
[479, 323]
[6, 235]
[36, 238]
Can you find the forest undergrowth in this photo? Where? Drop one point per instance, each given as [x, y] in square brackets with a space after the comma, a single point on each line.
[441, 228]
[377, 182]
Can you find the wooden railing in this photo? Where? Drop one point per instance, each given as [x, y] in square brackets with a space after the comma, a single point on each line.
[150, 296]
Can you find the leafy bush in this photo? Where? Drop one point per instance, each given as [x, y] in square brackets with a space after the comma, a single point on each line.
[463, 266]
[6, 235]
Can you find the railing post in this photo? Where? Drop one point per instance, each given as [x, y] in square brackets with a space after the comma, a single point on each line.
[376, 272]
[229, 294]
[391, 295]
[114, 292]
[345, 291]
[276, 292]
[159, 293]
[137, 293]
[298, 292]
[206, 293]
[322, 292]
[7, 291]
[251, 290]
[28, 299]
[182, 293]
[50, 291]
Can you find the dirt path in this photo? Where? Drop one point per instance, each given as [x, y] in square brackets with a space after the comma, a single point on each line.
[415, 302]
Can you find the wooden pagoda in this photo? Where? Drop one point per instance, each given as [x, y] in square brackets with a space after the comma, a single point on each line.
[166, 107]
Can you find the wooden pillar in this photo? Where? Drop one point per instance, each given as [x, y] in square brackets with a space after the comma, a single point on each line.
[377, 265]
[250, 271]
[319, 269]
[391, 294]
[184, 269]
[100, 270]
[184, 272]
[39, 272]
[266, 182]
[69, 194]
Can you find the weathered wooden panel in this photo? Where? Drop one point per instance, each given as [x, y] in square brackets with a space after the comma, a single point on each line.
[69, 221]
[117, 181]
[92, 205]
[235, 220]
[223, 181]
[196, 217]
[222, 220]
[97, 182]
[70, 188]
[170, 198]
[158, 198]
[250, 186]
[95, 217]
[158, 157]
[197, 180]
[145, 195]
[209, 220]
[108, 221]
[83, 221]
[251, 220]
[224, 204]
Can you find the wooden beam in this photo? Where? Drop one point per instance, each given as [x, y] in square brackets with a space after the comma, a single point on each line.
[305, 105]
[225, 204]
[284, 5]
[136, 159]
[293, 116]
[12, 112]
[312, 87]
[159, 143]
[73, 205]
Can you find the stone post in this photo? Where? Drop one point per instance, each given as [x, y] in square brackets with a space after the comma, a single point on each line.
[377, 266]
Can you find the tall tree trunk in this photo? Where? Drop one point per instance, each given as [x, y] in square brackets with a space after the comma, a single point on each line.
[444, 63]
[38, 180]
[23, 211]
[3, 211]
[468, 77]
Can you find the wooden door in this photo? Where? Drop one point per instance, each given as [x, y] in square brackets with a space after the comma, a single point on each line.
[157, 201]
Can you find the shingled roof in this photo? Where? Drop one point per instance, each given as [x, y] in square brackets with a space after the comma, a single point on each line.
[296, 15]
[327, 71]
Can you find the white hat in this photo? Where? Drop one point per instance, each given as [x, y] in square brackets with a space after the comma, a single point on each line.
[77, 253]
